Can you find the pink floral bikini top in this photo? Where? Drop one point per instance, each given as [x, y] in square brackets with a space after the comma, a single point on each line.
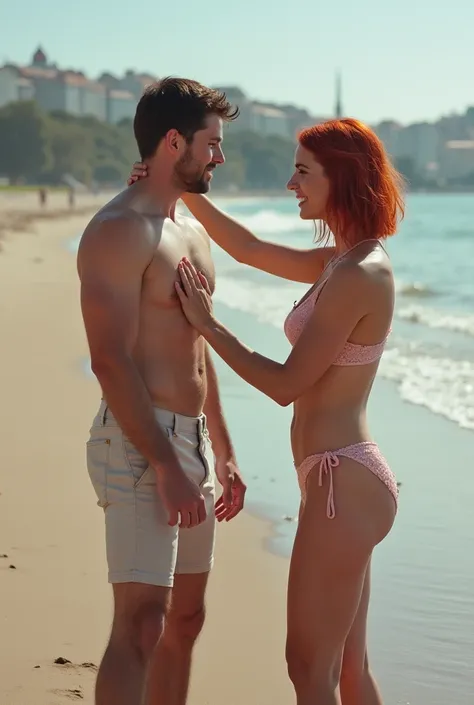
[351, 353]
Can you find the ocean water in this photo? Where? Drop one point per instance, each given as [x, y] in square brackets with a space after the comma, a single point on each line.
[421, 628]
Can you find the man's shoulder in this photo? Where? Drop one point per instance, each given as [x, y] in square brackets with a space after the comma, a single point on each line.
[115, 225]
[113, 217]
[115, 233]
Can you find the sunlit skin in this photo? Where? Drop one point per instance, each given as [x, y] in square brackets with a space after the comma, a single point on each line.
[187, 166]
[310, 185]
[195, 168]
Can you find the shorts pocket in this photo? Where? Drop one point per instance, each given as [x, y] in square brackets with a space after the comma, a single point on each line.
[98, 452]
[137, 463]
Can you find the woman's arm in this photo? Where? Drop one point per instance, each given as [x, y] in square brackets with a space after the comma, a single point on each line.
[334, 318]
[280, 260]
[286, 262]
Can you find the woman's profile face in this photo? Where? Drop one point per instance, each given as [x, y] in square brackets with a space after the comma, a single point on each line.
[310, 185]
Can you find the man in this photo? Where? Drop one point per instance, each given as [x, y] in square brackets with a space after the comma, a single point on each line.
[149, 453]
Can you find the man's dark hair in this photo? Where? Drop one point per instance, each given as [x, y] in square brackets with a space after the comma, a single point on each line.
[176, 104]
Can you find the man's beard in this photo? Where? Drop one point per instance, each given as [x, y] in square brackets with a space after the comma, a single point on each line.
[190, 175]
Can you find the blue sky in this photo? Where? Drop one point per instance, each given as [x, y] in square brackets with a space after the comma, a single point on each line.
[410, 61]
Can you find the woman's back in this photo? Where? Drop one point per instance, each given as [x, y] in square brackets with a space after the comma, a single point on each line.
[332, 411]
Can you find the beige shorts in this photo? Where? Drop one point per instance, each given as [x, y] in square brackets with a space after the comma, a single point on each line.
[141, 546]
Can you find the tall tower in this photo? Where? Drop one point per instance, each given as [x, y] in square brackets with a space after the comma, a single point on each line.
[338, 105]
[39, 58]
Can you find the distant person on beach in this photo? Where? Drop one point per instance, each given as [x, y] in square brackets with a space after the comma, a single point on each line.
[338, 332]
[149, 454]
[42, 195]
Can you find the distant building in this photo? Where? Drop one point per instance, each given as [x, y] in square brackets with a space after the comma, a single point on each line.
[13, 86]
[68, 91]
[269, 120]
[135, 83]
[40, 59]
[389, 132]
[121, 105]
[420, 141]
[439, 151]
[298, 119]
[110, 81]
[114, 98]
[239, 99]
[457, 159]
[124, 93]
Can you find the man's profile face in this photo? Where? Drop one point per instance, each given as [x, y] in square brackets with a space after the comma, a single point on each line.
[194, 169]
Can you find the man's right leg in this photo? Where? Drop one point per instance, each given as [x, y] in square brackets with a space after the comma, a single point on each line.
[168, 681]
[138, 624]
[141, 556]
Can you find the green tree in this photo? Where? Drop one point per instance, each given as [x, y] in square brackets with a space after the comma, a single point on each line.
[71, 149]
[255, 161]
[110, 150]
[107, 172]
[24, 147]
[49, 147]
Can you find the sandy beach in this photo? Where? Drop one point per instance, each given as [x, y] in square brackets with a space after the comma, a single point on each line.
[55, 601]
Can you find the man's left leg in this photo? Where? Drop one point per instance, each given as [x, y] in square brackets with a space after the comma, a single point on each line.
[169, 673]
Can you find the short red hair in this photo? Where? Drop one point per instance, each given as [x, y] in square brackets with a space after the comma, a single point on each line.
[365, 195]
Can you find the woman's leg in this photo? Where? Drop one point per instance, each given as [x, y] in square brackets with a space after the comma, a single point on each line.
[358, 686]
[327, 574]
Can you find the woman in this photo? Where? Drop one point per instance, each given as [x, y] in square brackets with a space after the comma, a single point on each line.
[338, 331]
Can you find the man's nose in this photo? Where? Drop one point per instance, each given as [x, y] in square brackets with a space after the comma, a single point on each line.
[219, 157]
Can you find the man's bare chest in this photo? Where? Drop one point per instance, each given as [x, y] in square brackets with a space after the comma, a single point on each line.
[162, 273]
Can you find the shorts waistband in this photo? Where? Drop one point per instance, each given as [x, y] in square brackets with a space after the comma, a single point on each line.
[178, 423]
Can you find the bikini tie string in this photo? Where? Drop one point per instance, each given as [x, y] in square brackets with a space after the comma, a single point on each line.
[328, 461]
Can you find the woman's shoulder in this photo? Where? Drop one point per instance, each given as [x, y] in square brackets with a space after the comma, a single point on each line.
[369, 263]
[366, 275]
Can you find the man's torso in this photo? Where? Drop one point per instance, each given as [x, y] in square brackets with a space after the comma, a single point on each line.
[169, 353]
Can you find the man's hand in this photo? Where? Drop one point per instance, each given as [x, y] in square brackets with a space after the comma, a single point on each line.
[182, 497]
[231, 502]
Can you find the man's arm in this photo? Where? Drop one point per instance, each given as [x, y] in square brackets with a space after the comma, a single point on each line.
[218, 430]
[233, 495]
[112, 258]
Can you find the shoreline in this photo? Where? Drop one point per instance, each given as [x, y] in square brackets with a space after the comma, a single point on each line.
[107, 192]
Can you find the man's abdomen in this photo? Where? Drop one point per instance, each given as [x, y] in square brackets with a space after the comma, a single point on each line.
[175, 379]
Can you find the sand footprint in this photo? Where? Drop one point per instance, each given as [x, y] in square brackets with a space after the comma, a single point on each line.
[71, 694]
[72, 670]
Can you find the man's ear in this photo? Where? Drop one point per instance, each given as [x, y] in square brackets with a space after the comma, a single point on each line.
[174, 142]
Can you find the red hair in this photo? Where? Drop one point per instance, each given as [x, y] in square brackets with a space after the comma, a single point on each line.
[365, 194]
